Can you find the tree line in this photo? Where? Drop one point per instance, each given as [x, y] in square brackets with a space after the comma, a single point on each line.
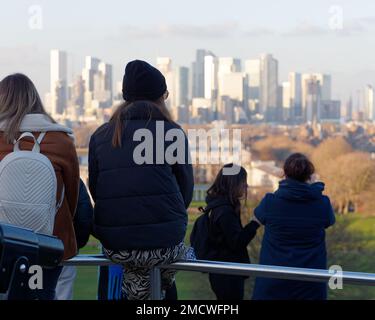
[349, 174]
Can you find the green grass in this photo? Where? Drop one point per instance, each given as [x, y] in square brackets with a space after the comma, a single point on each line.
[350, 243]
[86, 284]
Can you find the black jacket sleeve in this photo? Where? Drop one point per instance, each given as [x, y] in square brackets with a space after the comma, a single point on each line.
[184, 176]
[83, 217]
[93, 169]
[236, 236]
[331, 214]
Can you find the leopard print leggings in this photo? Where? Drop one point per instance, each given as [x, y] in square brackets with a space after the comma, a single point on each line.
[137, 264]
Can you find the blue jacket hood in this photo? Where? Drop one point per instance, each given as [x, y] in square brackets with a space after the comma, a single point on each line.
[290, 189]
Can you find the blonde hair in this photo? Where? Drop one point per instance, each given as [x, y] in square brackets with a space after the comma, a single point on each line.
[18, 97]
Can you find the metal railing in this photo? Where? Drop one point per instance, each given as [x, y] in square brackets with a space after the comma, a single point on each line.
[239, 269]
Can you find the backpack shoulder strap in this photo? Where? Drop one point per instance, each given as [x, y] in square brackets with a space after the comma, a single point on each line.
[36, 147]
[41, 137]
[59, 204]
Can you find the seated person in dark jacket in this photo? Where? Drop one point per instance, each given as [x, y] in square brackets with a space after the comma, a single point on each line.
[295, 218]
[140, 196]
[228, 238]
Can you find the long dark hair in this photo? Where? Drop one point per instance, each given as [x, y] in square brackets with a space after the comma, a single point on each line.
[233, 186]
[118, 119]
[18, 97]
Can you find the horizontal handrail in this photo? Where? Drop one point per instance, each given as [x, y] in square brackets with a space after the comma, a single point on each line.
[88, 260]
[315, 275]
[304, 274]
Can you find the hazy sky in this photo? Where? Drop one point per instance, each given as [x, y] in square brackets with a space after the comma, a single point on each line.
[303, 35]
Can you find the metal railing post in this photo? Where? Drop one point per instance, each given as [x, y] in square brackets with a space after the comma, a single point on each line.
[155, 283]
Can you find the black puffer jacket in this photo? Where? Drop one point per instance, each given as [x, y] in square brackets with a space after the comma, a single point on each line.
[138, 206]
[228, 239]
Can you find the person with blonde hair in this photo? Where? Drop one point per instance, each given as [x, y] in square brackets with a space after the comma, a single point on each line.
[23, 122]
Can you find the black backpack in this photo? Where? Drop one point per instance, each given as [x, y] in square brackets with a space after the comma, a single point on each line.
[200, 236]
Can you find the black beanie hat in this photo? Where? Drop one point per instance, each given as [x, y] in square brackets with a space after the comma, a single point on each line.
[142, 81]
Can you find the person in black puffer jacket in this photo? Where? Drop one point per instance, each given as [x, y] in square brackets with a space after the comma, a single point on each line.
[140, 196]
[227, 237]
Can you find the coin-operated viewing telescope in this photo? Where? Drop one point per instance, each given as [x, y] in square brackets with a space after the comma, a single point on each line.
[19, 250]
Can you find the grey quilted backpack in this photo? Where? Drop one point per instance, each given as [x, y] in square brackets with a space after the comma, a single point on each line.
[28, 188]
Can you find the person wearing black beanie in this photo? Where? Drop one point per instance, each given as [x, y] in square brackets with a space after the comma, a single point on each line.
[142, 82]
[140, 209]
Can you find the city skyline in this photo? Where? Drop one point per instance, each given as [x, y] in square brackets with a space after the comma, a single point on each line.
[213, 88]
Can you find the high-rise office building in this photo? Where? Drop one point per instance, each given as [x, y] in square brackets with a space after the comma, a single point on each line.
[252, 70]
[322, 82]
[252, 82]
[269, 87]
[77, 96]
[369, 103]
[227, 66]
[181, 94]
[210, 77]
[102, 92]
[106, 70]
[164, 64]
[198, 74]
[58, 97]
[313, 100]
[182, 86]
[325, 83]
[348, 111]
[232, 85]
[88, 73]
[295, 95]
[98, 82]
[286, 100]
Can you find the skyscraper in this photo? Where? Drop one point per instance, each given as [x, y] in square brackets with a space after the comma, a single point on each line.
[198, 74]
[317, 84]
[233, 86]
[210, 77]
[295, 95]
[164, 64]
[286, 100]
[313, 100]
[324, 82]
[76, 101]
[349, 109]
[106, 70]
[227, 67]
[88, 73]
[369, 103]
[252, 70]
[98, 82]
[182, 86]
[58, 82]
[102, 92]
[269, 87]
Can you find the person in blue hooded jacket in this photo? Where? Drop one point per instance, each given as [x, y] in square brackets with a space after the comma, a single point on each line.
[294, 218]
